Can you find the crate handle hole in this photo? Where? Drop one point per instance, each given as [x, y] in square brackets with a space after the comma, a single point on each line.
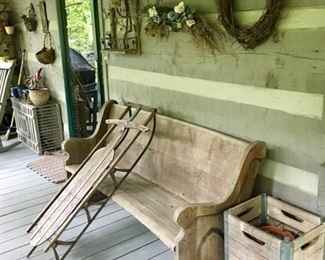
[289, 215]
[244, 212]
[256, 240]
[309, 244]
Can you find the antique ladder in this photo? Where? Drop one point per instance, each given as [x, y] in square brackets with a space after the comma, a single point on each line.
[100, 164]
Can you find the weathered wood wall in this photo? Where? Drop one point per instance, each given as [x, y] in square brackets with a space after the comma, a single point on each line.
[33, 42]
[7, 42]
[273, 93]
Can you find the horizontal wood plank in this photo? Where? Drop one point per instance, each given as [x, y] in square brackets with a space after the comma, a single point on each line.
[149, 203]
[114, 227]
[248, 235]
[147, 251]
[279, 210]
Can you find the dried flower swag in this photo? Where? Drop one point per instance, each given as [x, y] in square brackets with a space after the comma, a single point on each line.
[163, 20]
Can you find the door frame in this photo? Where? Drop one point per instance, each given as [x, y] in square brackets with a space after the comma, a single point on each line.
[98, 51]
[65, 58]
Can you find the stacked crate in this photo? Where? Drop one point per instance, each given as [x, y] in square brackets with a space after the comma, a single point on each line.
[39, 127]
[245, 240]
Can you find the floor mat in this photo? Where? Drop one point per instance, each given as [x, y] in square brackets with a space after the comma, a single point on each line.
[51, 167]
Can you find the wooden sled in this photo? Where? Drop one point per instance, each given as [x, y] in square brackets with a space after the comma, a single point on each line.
[101, 164]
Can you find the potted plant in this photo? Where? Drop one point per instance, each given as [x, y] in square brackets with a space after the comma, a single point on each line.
[9, 26]
[38, 94]
[30, 19]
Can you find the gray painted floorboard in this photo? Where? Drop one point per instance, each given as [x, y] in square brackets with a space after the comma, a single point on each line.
[115, 234]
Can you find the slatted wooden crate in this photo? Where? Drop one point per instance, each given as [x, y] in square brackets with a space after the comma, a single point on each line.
[39, 127]
[245, 240]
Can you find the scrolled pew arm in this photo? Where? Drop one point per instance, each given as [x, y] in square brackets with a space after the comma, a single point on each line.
[185, 216]
[79, 148]
[254, 154]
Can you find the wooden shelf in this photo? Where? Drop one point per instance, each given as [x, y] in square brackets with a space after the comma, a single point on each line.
[121, 50]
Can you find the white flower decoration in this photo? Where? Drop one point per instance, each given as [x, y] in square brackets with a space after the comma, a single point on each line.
[190, 22]
[180, 8]
[152, 12]
[179, 25]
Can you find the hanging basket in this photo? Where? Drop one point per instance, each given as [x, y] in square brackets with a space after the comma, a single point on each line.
[30, 24]
[30, 20]
[47, 54]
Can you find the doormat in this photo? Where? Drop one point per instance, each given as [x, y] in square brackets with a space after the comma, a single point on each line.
[51, 167]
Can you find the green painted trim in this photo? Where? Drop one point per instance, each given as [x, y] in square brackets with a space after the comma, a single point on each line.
[305, 181]
[295, 18]
[292, 18]
[64, 46]
[95, 18]
[291, 102]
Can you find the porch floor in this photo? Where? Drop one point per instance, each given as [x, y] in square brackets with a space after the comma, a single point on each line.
[115, 234]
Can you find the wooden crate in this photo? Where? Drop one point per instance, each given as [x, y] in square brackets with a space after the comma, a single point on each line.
[245, 240]
[39, 127]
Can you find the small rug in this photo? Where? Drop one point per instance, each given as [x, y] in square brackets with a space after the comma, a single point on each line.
[51, 167]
